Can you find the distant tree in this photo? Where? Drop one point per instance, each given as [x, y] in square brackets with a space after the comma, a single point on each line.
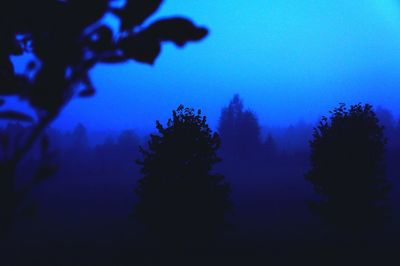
[347, 153]
[227, 122]
[249, 131]
[104, 156]
[269, 146]
[239, 129]
[180, 200]
[127, 151]
[61, 42]
[128, 141]
[390, 127]
[80, 138]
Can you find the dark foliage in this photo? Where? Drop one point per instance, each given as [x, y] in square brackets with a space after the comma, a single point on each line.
[83, 212]
[181, 201]
[68, 38]
[347, 154]
[65, 40]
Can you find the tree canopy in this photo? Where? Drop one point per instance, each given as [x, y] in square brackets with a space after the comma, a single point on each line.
[347, 153]
[181, 199]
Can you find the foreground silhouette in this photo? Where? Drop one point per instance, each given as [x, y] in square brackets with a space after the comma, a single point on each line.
[181, 202]
[347, 153]
[66, 39]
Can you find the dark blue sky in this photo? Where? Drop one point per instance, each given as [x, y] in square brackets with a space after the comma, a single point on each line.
[289, 59]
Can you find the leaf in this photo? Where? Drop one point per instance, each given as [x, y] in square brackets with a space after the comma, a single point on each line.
[145, 46]
[177, 30]
[2, 101]
[141, 47]
[101, 40]
[15, 115]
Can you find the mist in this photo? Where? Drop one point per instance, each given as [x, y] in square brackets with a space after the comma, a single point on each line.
[199, 132]
[289, 60]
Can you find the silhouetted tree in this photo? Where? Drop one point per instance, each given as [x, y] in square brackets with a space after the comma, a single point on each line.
[66, 39]
[128, 141]
[80, 137]
[391, 129]
[182, 202]
[269, 147]
[347, 153]
[239, 129]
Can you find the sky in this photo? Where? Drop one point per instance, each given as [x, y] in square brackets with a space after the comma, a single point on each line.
[290, 60]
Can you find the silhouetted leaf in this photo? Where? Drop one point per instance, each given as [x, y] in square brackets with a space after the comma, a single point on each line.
[15, 115]
[145, 46]
[177, 30]
[102, 39]
[142, 47]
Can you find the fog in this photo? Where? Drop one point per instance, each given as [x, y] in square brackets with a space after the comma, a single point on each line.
[289, 60]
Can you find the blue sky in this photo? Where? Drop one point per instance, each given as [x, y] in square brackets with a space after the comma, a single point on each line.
[290, 60]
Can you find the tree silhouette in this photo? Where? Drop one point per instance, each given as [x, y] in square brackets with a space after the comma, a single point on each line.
[239, 129]
[182, 202]
[347, 153]
[270, 149]
[80, 137]
[62, 41]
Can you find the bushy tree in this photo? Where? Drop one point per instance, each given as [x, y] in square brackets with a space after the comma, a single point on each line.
[181, 201]
[347, 153]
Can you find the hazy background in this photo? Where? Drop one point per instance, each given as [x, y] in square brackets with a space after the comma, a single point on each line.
[290, 60]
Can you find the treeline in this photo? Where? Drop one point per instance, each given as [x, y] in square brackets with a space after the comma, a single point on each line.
[189, 183]
[239, 128]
